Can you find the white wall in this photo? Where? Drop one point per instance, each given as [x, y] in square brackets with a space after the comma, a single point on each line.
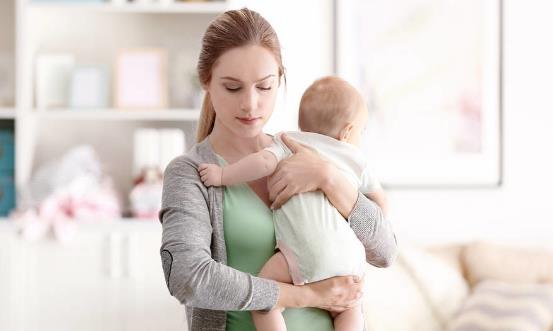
[519, 210]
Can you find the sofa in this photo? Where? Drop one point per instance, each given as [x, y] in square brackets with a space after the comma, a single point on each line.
[476, 286]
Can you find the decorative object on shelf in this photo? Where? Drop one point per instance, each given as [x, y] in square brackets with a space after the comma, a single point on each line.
[200, 1]
[70, 1]
[7, 166]
[72, 188]
[141, 79]
[146, 150]
[89, 87]
[172, 143]
[53, 78]
[155, 148]
[7, 79]
[145, 197]
[185, 85]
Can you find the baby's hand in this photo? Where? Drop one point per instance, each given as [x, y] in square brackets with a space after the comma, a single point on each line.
[211, 174]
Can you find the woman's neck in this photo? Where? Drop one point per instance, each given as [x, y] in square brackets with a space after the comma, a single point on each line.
[232, 147]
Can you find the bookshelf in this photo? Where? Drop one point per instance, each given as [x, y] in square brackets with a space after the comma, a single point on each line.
[7, 105]
[113, 264]
[7, 114]
[120, 115]
[205, 7]
[94, 33]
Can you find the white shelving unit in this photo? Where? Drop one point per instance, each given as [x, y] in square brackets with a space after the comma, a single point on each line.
[172, 8]
[94, 33]
[7, 113]
[111, 271]
[120, 115]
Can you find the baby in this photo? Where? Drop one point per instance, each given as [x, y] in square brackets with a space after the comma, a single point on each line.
[314, 240]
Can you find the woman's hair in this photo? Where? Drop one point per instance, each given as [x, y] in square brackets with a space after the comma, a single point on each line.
[232, 29]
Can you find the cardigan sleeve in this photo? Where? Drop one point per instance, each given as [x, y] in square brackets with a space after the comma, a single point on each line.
[192, 276]
[374, 231]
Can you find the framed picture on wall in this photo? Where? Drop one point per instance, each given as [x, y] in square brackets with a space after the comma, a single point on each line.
[431, 74]
[141, 79]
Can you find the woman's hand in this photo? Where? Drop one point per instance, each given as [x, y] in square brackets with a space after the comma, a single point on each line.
[307, 171]
[336, 294]
[304, 171]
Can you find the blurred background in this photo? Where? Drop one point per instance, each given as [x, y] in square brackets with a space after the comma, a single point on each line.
[97, 96]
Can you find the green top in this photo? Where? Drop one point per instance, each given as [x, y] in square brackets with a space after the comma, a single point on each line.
[250, 242]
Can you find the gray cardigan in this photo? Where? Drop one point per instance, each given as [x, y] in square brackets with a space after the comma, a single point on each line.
[193, 251]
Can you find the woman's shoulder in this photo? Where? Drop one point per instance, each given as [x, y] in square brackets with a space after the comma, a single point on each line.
[187, 164]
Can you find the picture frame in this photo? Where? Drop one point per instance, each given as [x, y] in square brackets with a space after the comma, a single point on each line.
[89, 88]
[140, 79]
[431, 74]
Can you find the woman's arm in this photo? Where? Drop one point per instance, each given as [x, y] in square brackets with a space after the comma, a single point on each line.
[191, 274]
[195, 279]
[379, 197]
[374, 231]
[333, 294]
[306, 171]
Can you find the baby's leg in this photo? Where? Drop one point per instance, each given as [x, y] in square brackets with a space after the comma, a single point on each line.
[277, 269]
[349, 320]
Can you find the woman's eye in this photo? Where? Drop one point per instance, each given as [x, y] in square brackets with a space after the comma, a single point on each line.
[232, 88]
[263, 88]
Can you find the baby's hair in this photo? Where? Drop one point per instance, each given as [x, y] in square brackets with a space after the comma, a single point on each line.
[328, 105]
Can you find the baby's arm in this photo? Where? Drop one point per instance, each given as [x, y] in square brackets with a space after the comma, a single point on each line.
[252, 167]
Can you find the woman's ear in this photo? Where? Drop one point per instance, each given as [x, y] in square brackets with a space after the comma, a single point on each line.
[345, 133]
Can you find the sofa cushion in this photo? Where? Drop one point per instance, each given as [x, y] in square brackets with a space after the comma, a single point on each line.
[440, 282]
[484, 261]
[501, 306]
[392, 302]
[418, 292]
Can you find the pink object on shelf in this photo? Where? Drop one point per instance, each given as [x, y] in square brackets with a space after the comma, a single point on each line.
[64, 192]
[145, 197]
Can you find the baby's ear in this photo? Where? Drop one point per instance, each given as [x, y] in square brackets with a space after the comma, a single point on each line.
[345, 133]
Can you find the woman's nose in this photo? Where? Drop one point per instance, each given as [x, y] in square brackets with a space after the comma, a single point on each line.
[249, 100]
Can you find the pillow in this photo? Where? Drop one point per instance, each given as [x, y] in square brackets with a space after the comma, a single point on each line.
[500, 306]
[441, 282]
[484, 261]
[418, 292]
[449, 253]
[392, 302]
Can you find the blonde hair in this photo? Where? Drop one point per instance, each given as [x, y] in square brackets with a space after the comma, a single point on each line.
[328, 105]
[232, 29]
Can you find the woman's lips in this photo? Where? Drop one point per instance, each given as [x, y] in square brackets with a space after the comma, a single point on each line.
[248, 121]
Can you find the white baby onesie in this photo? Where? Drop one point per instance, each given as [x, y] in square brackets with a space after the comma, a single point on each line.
[314, 237]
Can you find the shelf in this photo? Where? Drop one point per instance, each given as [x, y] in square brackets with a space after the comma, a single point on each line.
[215, 7]
[120, 115]
[7, 113]
[108, 226]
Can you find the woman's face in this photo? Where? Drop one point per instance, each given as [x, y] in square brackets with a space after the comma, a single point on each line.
[243, 89]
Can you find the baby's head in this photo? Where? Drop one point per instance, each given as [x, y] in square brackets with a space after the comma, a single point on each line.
[334, 108]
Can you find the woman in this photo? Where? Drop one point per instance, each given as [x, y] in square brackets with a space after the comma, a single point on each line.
[210, 265]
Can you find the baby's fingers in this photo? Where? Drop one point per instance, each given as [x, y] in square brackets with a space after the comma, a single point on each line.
[203, 166]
